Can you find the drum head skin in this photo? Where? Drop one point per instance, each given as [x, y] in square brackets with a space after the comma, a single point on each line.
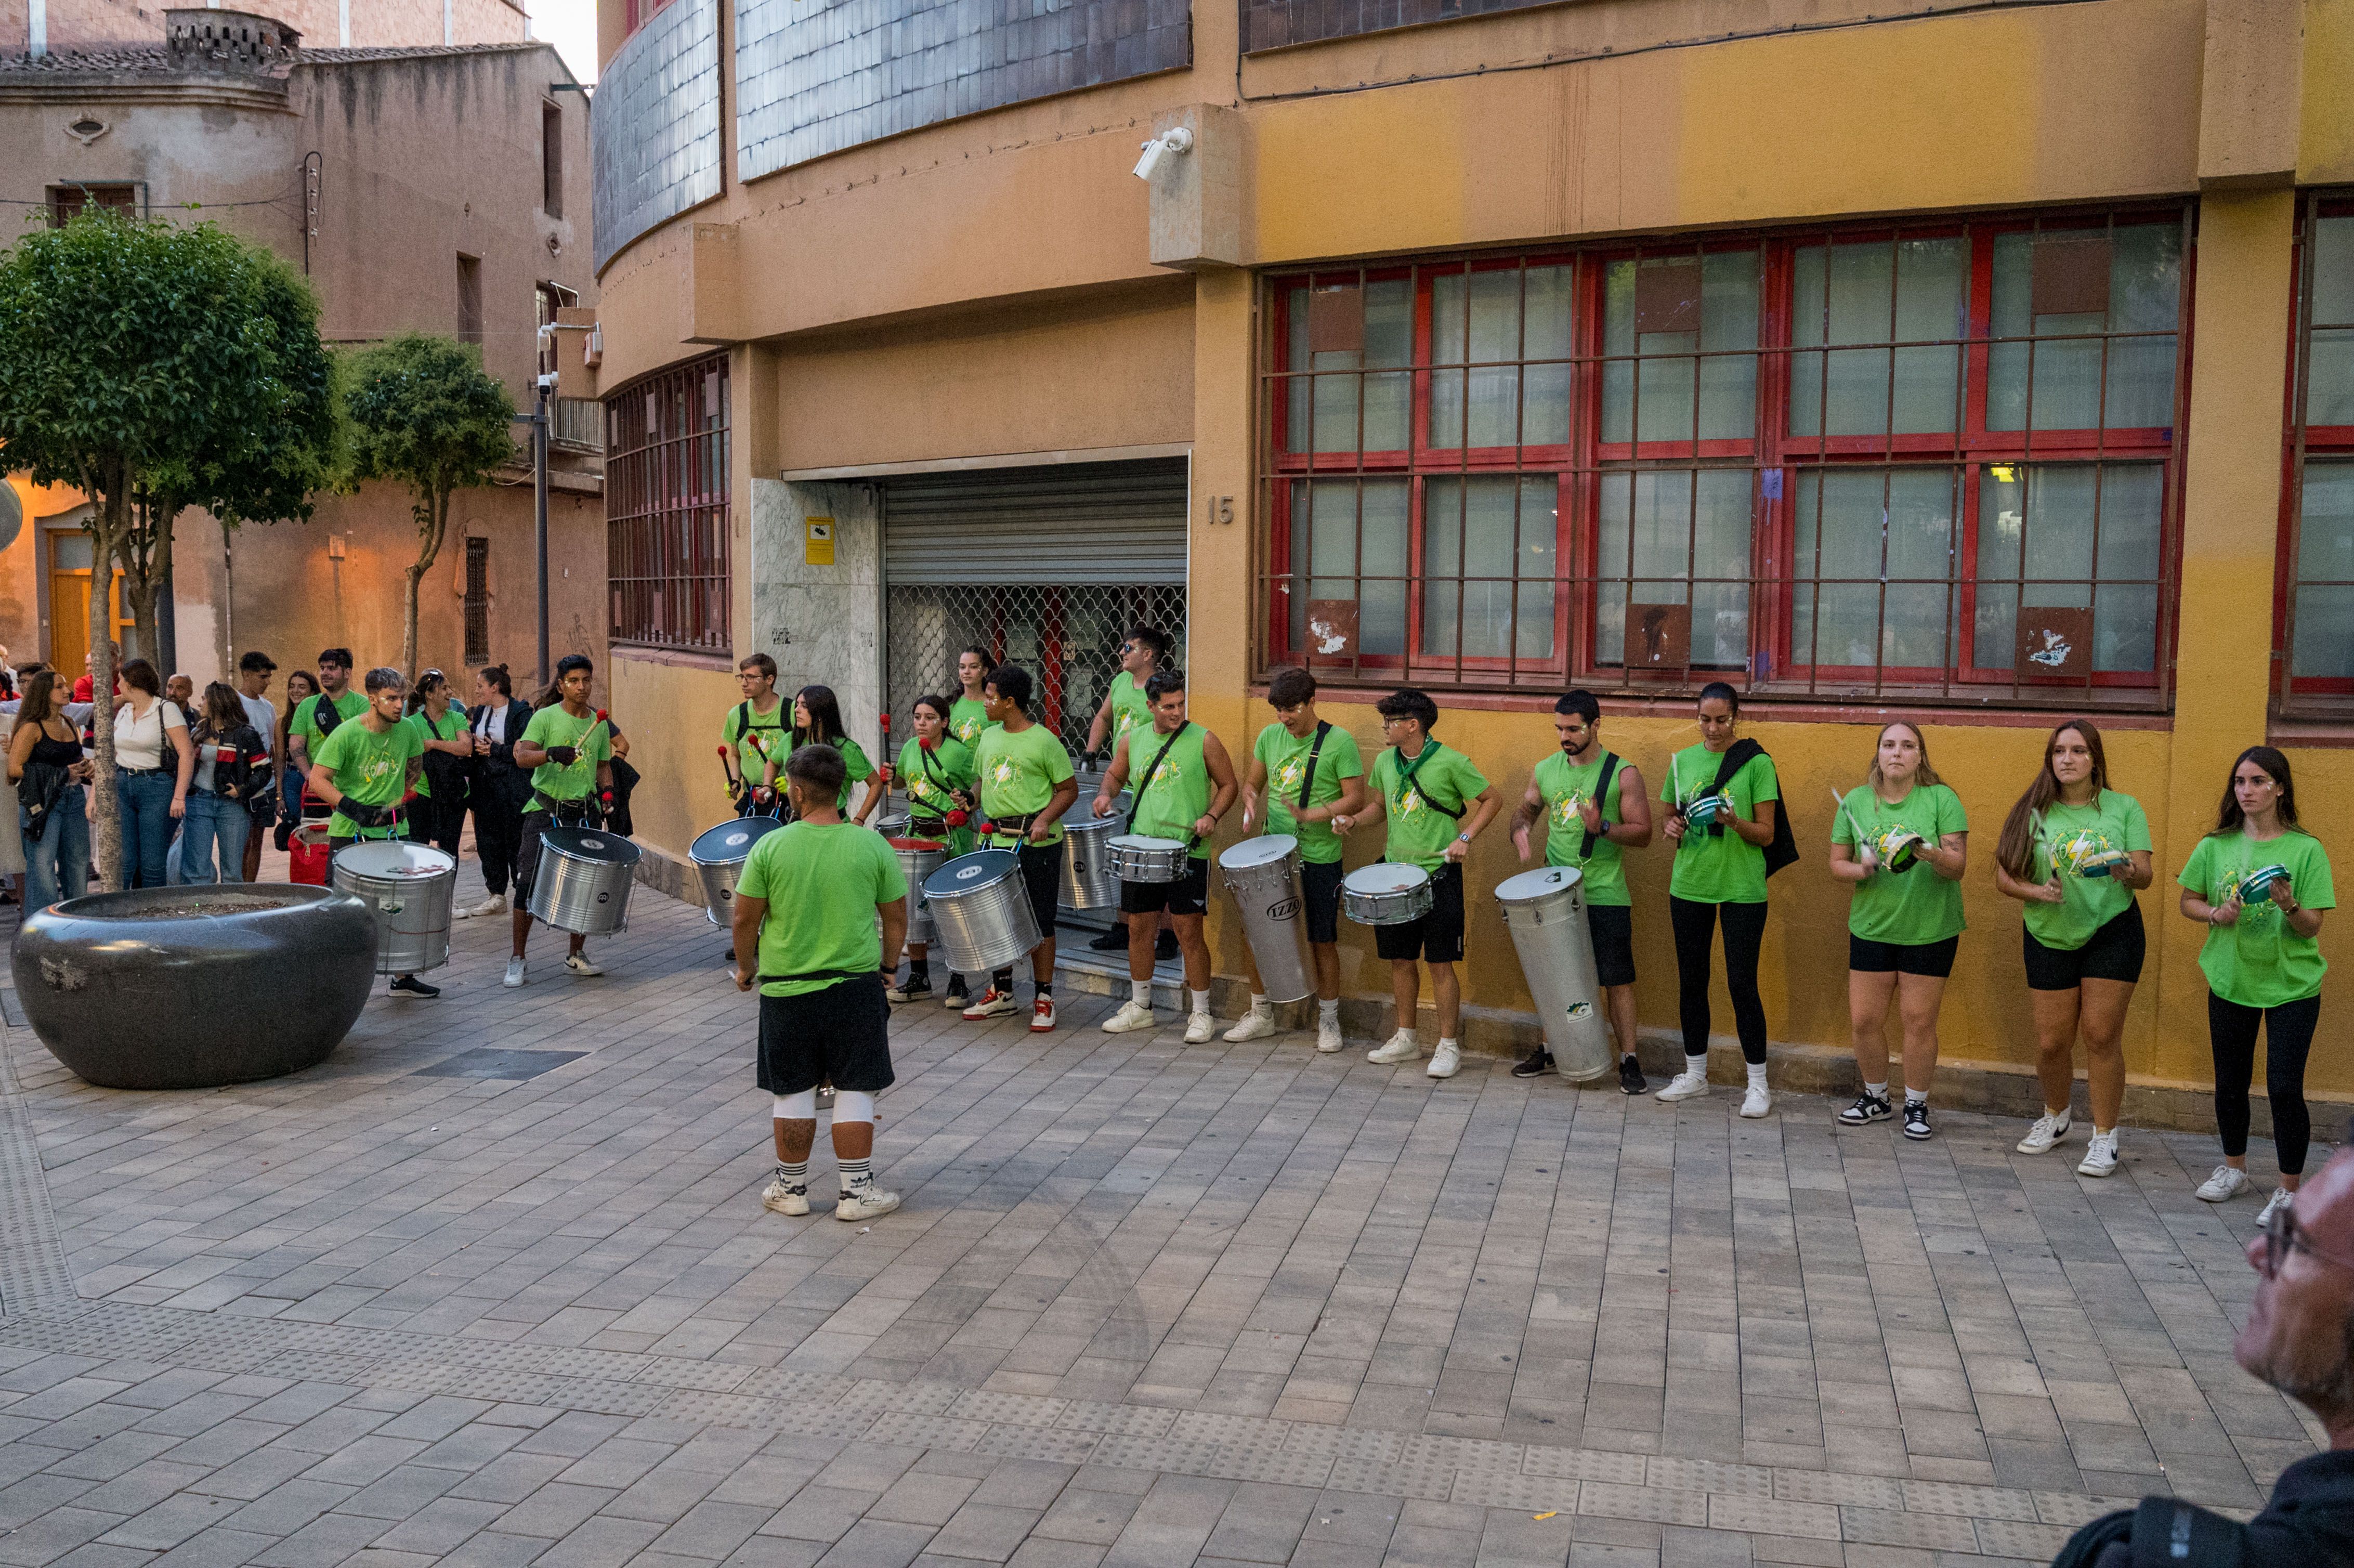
[1265, 850]
[1385, 878]
[589, 843]
[1543, 882]
[971, 873]
[392, 859]
[730, 841]
[1144, 842]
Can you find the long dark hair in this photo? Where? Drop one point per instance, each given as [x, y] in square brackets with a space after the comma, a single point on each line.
[939, 706]
[826, 718]
[2229, 819]
[223, 710]
[40, 703]
[2015, 851]
[286, 719]
[978, 651]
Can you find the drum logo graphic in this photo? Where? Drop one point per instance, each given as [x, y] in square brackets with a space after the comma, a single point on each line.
[1581, 1010]
[1283, 909]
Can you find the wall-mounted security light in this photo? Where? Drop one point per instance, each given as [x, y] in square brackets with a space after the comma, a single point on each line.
[1175, 141]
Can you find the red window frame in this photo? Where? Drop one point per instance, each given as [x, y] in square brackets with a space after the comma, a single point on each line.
[2313, 695]
[668, 519]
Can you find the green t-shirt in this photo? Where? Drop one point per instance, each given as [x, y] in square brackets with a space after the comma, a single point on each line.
[747, 729]
[351, 704]
[1285, 758]
[1018, 773]
[1914, 907]
[1718, 868]
[1419, 832]
[823, 883]
[856, 769]
[1169, 803]
[2257, 960]
[552, 727]
[2070, 838]
[1130, 713]
[372, 768]
[1565, 786]
[452, 726]
[928, 787]
[968, 717]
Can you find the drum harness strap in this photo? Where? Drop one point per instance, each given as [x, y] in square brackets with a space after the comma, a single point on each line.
[1152, 772]
[1602, 782]
[936, 825]
[578, 811]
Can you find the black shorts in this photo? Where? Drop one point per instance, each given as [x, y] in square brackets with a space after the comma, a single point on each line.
[839, 1034]
[1189, 894]
[527, 851]
[1041, 878]
[1934, 960]
[2112, 953]
[1320, 890]
[1611, 928]
[1437, 937]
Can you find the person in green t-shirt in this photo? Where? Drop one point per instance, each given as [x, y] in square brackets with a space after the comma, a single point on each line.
[1589, 822]
[807, 904]
[1125, 710]
[1904, 842]
[817, 721]
[753, 732]
[968, 714]
[2075, 853]
[1303, 773]
[304, 732]
[938, 773]
[1721, 832]
[568, 747]
[1435, 803]
[439, 816]
[1184, 782]
[1026, 784]
[2259, 884]
[364, 769]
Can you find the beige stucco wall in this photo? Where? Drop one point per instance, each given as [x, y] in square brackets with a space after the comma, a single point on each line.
[73, 24]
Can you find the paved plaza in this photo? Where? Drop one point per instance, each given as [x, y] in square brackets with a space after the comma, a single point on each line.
[494, 1286]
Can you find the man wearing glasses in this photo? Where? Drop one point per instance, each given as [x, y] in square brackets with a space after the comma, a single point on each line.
[754, 731]
[2299, 1339]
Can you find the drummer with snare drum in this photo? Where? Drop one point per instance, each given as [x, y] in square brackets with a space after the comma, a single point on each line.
[364, 770]
[1436, 802]
[937, 771]
[568, 747]
[1026, 784]
[1304, 772]
[1591, 803]
[1184, 784]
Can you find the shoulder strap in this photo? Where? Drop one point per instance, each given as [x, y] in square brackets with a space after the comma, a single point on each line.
[1736, 757]
[1137, 785]
[743, 717]
[1602, 782]
[1409, 785]
[325, 714]
[1323, 729]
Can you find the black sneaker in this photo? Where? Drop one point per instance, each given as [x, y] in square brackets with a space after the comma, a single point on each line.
[1165, 949]
[1112, 941]
[1867, 1109]
[1917, 1119]
[917, 988]
[1631, 1076]
[409, 985]
[1535, 1065]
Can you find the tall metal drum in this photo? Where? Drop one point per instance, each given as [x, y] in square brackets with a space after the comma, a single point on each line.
[918, 858]
[1546, 912]
[981, 919]
[719, 857]
[410, 889]
[1088, 880]
[1263, 874]
[582, 884]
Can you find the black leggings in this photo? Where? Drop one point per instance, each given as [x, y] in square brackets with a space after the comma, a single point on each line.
[2288, 1035]
[498, 828]
[1744, 933]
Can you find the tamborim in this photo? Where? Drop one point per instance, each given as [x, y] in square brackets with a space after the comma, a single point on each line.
[1387, 895]
[980, 911]
[1139, 858]
[719, 857]
[408, 889]
[582, 884]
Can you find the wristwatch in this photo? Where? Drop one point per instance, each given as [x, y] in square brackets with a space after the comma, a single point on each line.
[1463, 838]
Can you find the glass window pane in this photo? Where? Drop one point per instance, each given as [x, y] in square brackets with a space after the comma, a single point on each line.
[1676, 537]
[1877, 293]
[1321, 410]
[1544, 388]
[2329, 379]
[1880, 543]
[2325, 571]
[2048, 533]
[2144, 292]
[1355, 538]
[1480, 559]
[1724, 317]
[69, 551]
[1475, 319]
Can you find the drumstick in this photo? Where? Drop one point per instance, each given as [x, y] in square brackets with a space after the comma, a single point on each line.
[726, 772]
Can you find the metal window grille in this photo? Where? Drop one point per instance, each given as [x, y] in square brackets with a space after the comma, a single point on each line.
[666, 528]
[2315, 655]
[478, 601]
[1885, 462]
[66, 201]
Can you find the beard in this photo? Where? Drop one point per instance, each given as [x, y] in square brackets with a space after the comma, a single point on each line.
[2327, 1390]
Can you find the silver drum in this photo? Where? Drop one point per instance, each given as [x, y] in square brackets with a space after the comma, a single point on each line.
[409, 888]
[1263, 874]
[918, 858]
[1139, 857]
[582, 884]
[1088, 880]
[981, 919]
[1387, 895]
[1545, 910]
[718, 855]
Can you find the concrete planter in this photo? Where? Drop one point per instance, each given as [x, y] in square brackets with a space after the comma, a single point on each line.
[191, 988]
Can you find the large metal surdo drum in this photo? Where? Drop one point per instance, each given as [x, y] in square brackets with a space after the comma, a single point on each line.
[408, 889]
[1545, 909]
[981, 919]
[1387, 895]
[719, 857]
[1140, 857]
[1088, 880]
[582, 884]
[918, 858]
[1263, 874]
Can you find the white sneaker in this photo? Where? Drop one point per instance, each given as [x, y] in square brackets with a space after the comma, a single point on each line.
[1199, 1027]
[1402, 1047]
[1687, 1085]
[1328, 1036]
[2048, 1129]
[993, 1003]
[1446, 1061]
[514, 972]
[2222, 1186]
[1253, 1026]
[2282, 1198]
[2100, 1154]
[864, 1203]
[780, 1199]
[496, 904]
[580, 964]
[1129, 1018]
[1757, 1101]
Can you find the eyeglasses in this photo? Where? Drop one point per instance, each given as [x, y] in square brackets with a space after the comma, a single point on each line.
[2283, 1237]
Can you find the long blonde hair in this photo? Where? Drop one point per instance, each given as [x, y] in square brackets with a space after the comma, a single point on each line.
[1924, 777]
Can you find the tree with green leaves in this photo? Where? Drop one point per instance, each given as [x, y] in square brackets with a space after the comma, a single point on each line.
[145, 362]
[423, 412]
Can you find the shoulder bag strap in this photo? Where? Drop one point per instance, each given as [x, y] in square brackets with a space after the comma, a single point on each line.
[1136, 798]
[1323, 729]
[1602, 783]
[1736, 757]
[1407, 784]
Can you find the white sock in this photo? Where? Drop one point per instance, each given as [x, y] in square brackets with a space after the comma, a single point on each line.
[1407, 1035]
[1260, 1006]
[1140, 993]
[1446, 1042]
[1878, 1091]
[1916, 1096]
[1698, 1066]
[1202, 1003]
[1757, 1074]
[1329, 1011]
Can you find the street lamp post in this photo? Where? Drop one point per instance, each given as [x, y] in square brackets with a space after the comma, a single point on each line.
[537, 421]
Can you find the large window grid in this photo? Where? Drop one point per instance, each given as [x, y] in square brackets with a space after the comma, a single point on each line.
[1848, 461]
[666, 528]
[2316, 652]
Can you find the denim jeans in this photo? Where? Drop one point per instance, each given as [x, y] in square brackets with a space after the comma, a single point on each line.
[213, 819]
[57, 865]
[145, 799]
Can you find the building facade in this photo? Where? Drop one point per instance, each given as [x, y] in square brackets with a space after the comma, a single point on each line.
[1982, 364]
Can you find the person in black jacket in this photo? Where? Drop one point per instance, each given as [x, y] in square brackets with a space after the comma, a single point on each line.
[232, 768]
[2299, 1339]
[498, 789]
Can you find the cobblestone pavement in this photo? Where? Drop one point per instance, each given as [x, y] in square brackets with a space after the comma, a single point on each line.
[1146, 1304]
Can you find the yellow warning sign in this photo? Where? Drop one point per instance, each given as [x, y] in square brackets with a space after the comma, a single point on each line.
[817, 550]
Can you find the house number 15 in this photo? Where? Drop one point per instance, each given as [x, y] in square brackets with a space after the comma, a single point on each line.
[1218, 509]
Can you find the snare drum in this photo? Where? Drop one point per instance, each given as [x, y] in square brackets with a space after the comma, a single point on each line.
[718, 855]
[1135, 857]
[1387, 895]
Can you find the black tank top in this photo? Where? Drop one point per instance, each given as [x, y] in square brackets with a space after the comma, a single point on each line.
[56, 753]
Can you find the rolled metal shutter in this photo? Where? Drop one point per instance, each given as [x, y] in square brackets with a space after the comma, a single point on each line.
[1055, 524]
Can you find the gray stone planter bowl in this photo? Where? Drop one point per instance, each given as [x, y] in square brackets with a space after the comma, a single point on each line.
[191, 988]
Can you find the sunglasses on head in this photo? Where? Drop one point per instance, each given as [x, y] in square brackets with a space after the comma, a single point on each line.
[2283, 1237]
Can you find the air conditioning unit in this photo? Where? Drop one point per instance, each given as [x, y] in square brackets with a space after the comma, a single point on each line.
[592, 352]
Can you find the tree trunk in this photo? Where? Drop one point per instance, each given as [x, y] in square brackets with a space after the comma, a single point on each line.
[432, 519]
[108, 527]
[411, 578]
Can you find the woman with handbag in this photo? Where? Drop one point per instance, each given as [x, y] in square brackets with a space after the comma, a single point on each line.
[44, 759]
[438, 815]
[232, 764]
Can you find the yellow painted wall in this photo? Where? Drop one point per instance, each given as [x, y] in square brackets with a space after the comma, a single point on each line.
[672, 714]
